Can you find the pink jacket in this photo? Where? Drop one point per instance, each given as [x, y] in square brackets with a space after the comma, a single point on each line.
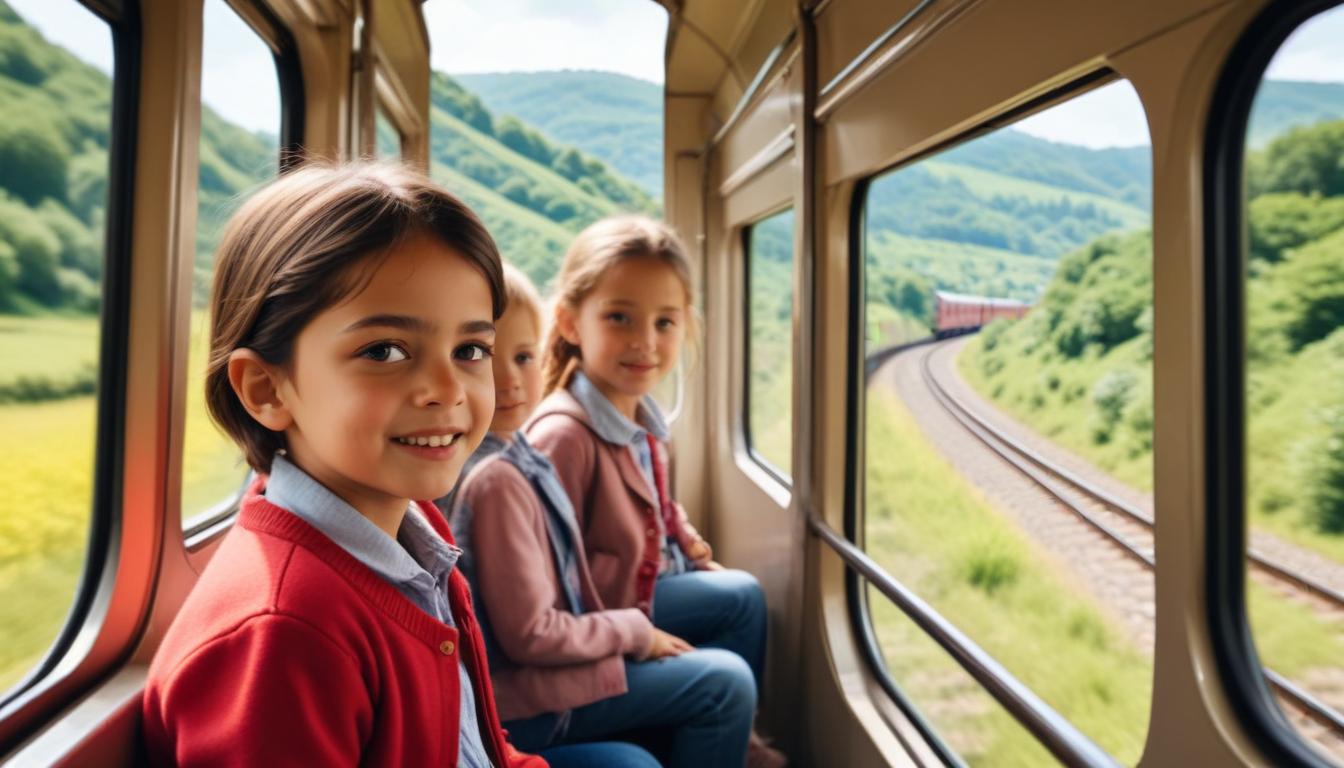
[615, 508]
[555, 660]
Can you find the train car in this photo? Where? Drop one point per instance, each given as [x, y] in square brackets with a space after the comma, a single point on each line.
[958, 313]
[1112, 534]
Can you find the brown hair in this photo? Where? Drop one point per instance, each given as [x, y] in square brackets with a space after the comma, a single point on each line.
[598, 248]
[302, 244]
[520, 292]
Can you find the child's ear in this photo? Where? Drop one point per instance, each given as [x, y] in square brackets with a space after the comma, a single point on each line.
[257, 385]
[564, 323]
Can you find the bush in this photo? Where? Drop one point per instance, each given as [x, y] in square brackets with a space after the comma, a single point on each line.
[1112, 393]
[991, 565]
[1326, 497]
[37, 389]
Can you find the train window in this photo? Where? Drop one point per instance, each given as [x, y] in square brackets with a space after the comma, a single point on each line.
[1008, 425]
[522, 131]
[387, 139]
[769, 342]
[1292, 203]
[239, 150]
[56, 93]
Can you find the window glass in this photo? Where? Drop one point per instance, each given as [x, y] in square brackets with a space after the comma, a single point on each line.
[1008, 307]
[387, 139]
[56, 98]
[1294, 210]
[769, 342]
[239, 151]
[543, 140]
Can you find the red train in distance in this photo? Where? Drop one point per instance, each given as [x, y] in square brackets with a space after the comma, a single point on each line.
[961, 313]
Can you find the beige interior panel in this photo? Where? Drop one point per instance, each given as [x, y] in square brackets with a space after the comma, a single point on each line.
[878, 126]
[846, 27]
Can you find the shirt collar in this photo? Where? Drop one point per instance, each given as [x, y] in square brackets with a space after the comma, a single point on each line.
[612, 425]
[417, 551]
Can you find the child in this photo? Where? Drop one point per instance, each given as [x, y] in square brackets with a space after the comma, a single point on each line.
[352, 323]
[623, 309]
[565, 669]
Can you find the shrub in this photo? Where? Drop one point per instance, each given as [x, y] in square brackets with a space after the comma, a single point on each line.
[1326, 495]
[1111, 394]
[37, 389]
[991, 566]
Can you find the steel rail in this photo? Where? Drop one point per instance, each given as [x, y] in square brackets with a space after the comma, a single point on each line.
[1003, 446]
[1258, 560]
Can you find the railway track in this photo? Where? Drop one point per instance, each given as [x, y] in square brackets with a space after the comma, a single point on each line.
[1124, 525]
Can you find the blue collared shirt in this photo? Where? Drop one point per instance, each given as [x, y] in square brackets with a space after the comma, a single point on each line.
[418, 563]
[613, 426]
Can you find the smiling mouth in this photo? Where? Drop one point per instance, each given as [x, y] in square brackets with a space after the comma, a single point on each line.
[430, 441]
[640, 367]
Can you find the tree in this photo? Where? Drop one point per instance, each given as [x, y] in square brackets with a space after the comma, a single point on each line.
[33, 158]
[1310, 290]
[1281, 221]
[1305, 160]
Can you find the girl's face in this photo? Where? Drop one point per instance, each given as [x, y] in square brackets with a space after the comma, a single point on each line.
[517, 370]
[390, 391]
[630, 328]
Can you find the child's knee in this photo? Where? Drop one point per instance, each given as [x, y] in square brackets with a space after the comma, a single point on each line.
[747, 592]
[729, 681]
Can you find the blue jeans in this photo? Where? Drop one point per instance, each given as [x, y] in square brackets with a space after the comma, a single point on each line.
[602, 754]
[703, 700]
[715, 609]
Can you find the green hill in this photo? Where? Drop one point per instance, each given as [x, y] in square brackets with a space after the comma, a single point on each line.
[1283, 105]
[608, 115]
[53, 173]
[533, 193]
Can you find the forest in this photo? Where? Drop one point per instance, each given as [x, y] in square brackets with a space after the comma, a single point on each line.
[1078, 367]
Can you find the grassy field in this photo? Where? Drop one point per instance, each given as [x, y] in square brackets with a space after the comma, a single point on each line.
[53, 347]
[1005, 592]
[46, 485]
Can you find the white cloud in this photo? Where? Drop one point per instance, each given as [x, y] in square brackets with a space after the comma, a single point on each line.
[1110, 116]
[625, 36]
[1315, 51]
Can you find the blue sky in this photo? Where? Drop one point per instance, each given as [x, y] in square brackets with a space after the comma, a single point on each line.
[624, 36]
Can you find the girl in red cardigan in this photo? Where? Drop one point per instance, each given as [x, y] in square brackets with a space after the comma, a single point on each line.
[566, 669]
[623, 308]
[352, 319]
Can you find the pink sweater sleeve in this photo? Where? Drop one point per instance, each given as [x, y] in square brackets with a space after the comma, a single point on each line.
[518, 583]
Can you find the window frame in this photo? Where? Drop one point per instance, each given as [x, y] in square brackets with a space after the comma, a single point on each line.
[123, 21]
[201, 528]
[1225, 271]
[1065, 739]
[778, 474]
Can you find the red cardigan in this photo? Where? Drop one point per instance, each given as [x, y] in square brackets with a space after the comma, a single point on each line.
[289, 651]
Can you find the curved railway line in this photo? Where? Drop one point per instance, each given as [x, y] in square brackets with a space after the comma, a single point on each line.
[1076, 494]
